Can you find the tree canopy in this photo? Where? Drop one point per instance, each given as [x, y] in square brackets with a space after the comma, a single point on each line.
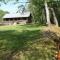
[2, 13]
[37, 9]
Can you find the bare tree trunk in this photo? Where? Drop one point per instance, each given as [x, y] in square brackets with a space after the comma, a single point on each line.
[55, 18]
[47, 13]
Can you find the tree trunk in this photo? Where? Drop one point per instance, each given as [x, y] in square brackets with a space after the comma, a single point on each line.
[47, 13]
[55, 18]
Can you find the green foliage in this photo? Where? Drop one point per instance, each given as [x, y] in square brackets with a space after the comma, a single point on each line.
[56, 6]
[37, 9]
[2, 13]
[25, 42]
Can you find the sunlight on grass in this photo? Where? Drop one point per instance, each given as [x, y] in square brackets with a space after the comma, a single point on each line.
[25, 42]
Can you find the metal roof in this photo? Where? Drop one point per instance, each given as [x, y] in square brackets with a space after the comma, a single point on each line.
[17, 15]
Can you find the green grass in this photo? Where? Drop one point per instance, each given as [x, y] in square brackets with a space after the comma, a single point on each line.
[25, 42]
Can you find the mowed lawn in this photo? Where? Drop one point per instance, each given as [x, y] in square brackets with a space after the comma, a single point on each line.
[25, 42]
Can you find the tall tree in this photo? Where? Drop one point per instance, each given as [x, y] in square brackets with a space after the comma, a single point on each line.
[37, 6]
[47, 13]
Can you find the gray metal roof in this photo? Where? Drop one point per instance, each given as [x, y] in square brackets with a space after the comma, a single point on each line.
[16, 15]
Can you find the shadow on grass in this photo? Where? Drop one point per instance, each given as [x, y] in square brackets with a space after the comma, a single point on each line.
[26, 45]
[12, 41]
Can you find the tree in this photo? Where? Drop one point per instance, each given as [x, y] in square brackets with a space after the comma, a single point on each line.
[47, 13]
[38, 6]
[21, 9]
[2, 13]
[55, 18]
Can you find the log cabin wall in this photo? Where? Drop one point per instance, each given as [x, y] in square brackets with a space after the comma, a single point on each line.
[18, 17]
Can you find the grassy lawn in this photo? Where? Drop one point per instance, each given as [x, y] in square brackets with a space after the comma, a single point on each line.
[25, 42]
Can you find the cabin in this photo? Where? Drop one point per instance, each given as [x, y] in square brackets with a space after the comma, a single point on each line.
[18, 18]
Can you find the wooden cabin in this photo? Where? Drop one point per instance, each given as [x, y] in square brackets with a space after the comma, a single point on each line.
[18, 18]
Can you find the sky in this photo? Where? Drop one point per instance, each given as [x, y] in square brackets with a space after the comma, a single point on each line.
[10, 7]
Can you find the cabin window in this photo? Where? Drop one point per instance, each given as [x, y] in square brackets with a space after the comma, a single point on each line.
[25, 18]
[6, 19]
[19, 19]
[11, 19]
[14, 19]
